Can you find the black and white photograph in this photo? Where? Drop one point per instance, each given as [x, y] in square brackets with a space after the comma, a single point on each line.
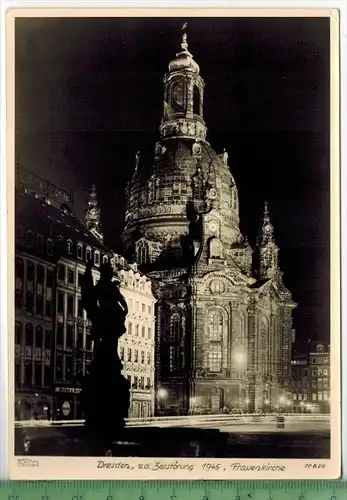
[176, 199]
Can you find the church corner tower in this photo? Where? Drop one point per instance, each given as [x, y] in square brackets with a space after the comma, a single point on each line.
[219, 331]
[267, 249]
[92, 215]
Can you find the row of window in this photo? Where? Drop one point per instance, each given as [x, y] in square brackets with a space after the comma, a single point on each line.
[317, 372]
[134, 355]
[135, 330]
[32, 337]
[35, 298]
[138, 306]
[70, 305]
[29, 374]
[70, 368]
[36, 241]
[320, 396]
[39, 242]
[320, 372]
[142, 383]
[314, 383]
[320, 360]
[71, 338]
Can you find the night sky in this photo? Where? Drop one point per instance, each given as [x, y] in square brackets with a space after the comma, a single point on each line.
[89, 94]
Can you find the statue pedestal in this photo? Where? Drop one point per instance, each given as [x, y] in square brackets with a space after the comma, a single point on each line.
[105, 397]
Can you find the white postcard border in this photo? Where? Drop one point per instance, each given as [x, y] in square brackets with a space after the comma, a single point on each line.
[53, 468]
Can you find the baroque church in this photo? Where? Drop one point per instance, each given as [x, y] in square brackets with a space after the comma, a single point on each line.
[224, 316]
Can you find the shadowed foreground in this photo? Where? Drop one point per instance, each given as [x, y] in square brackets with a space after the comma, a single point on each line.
[174, 442]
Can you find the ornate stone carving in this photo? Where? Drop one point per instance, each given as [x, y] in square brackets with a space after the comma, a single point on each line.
[196, 148]
[159, 150]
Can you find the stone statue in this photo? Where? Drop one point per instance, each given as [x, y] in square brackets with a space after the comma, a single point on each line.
[225, 156]
[137, 160]
[105, 395]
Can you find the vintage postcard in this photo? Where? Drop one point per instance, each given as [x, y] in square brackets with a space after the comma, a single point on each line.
[174, 273]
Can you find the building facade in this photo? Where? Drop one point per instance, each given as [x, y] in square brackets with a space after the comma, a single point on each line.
[223, 324]
[136, 346]
[311, 379]
[53, 346]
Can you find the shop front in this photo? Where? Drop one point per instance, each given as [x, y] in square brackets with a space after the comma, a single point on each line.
[67, 404]
[33, 406]
[141, 405]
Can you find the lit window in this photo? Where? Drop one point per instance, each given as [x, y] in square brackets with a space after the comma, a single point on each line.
[69, 247]
[89, 254]
[215, 249]
[97, 258]
[142, 252]
[215, 336]
[79, 251]
[314, 396]
[294, 397]
[320, 396]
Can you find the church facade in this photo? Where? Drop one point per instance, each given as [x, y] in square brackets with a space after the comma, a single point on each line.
[224, 316]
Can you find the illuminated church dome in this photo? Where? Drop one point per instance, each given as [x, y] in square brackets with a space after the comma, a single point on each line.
[185, 172]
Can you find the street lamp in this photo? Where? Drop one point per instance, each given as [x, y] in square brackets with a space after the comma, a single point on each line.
[240, 357]
[162, 393]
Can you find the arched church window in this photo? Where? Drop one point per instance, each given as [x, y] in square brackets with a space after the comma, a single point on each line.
[142, 252]
[177, 96]
[196, 101]
[262, 361]
[175, 342]
[215, 248]
[198, 185]
[215, 337]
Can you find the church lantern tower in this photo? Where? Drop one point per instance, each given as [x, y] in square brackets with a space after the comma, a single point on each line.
[183, 97]
[221, 333]
[92, 215]
[267, 248]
